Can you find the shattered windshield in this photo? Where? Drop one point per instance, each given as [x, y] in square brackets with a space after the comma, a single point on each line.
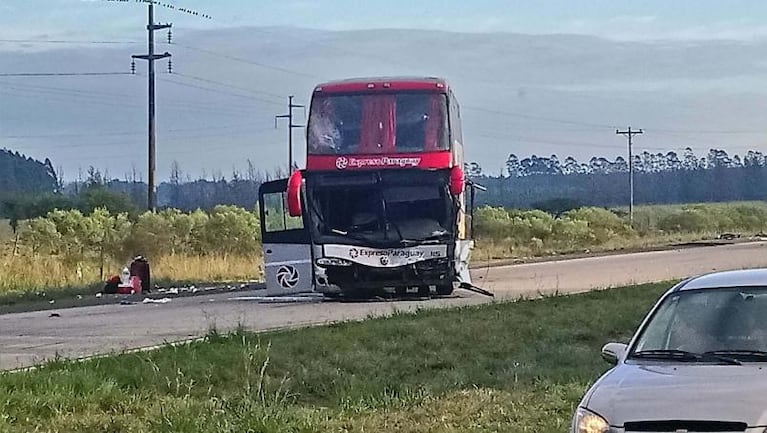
[378, 123]
[389, 213]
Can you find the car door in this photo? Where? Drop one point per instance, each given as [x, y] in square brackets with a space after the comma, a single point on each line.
[286, 241]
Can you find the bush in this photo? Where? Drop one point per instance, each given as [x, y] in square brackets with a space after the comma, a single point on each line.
[603, 224]
[103, 237]
[557, 206]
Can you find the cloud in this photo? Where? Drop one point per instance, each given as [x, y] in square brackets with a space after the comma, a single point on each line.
[655, 28]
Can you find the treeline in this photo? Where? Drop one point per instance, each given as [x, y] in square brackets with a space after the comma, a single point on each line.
[22, 174]
[547, 183]
[95, 189]
[182, 191]
[512, 232]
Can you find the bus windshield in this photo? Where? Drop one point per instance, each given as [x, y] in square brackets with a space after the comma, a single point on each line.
[378, 124]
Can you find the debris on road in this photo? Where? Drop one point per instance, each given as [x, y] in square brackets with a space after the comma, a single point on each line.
[729, 236]
[54, 315]
[475, 289]
[309, 298]
[156, 301]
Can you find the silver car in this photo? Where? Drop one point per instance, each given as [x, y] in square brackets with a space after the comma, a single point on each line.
[697, 363]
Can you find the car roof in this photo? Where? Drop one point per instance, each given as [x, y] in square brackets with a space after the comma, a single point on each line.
[725, 279]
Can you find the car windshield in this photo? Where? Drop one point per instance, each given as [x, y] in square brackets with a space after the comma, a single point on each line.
[379, 123]
[725, 320]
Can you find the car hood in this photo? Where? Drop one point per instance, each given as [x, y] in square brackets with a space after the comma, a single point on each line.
[700, 392]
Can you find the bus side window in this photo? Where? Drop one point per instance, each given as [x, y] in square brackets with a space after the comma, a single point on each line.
[276, 216]
[274, 212]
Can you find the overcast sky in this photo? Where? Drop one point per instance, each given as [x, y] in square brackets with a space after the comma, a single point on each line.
[689, 72]
[619, 19]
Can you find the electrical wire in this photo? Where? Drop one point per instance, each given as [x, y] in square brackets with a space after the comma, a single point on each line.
[61, 74]
[243, 60]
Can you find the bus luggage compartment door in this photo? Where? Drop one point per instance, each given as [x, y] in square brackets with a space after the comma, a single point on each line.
[286, 241]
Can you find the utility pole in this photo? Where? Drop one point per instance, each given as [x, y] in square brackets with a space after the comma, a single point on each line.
[630, 134]
[150, 57]
[291, 126]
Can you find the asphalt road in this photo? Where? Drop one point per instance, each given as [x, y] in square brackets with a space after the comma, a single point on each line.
[29, 338]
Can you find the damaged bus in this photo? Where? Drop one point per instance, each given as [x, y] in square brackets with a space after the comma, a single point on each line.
[381, 204]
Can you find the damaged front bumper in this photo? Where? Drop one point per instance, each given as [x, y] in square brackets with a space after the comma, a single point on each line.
[354, 276]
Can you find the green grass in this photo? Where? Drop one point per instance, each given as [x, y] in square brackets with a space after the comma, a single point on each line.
[516, 367]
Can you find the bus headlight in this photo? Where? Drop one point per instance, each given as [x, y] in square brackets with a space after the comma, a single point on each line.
[589, 422]
[332, 261]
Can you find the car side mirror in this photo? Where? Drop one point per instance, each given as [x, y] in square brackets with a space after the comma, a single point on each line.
[612, 352]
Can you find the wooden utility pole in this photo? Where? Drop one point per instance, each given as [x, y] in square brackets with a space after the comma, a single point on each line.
[630, 134]
[150, 57]
[291, 126]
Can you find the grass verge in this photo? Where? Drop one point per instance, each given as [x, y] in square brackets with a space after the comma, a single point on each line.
[512, 367]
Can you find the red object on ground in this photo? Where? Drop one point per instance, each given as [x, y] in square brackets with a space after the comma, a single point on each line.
[139, 267]
[133, 287]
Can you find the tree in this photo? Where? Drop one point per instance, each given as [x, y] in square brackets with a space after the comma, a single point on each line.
[20, 174]
[41, 236]
[106, 234]
[96, 196]
[472, 169]
[513, 168]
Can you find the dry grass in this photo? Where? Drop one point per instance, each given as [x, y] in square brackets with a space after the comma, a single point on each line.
[24, 273]
[19, 274]
[197, 268]
[6, 234]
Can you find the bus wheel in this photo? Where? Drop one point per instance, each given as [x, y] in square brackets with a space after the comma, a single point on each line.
[445, 289]
[400, 290]
[423, 290]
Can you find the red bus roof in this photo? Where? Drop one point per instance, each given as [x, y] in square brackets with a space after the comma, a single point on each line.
[383, 84]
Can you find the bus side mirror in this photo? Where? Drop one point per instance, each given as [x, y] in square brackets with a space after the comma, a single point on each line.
[457, 180]
[294, 193]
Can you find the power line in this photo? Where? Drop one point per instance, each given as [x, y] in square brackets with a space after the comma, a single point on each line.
[707, 132]
[61, 41]
[184, 139]
[219, 91]
[563, 143]
[107, 99]
[231, 86]
[246, 61]
[540, 118]
[61, 74]
[93, 93]
[603, 126]
[131, 133]
[167, 6]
